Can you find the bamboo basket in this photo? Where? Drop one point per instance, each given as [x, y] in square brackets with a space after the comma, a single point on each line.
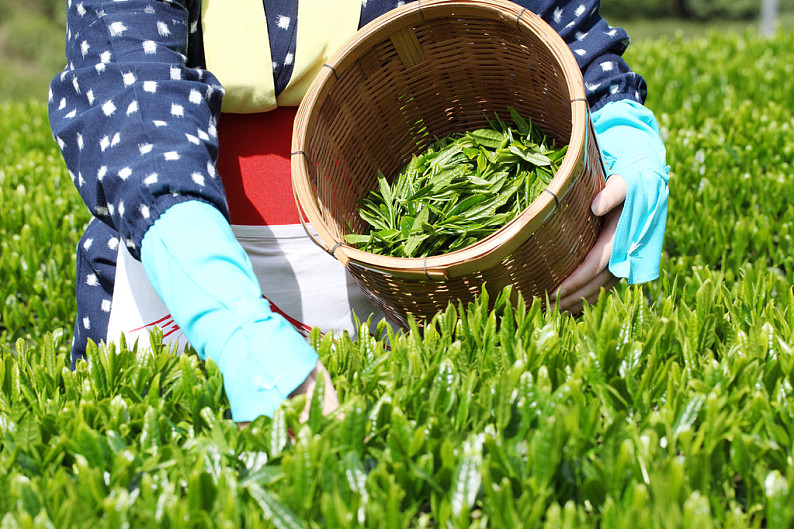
[426, 70]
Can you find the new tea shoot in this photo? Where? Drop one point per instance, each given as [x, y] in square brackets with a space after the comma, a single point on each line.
[463, 188]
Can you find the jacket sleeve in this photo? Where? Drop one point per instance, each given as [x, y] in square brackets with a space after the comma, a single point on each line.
[628, 135]
[597, 48]
[213, 295]
[136, 125]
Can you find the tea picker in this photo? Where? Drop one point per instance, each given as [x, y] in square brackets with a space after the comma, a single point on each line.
[174, 120]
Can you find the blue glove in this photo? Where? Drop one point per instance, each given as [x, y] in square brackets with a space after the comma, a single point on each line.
[205, 279]
[628, 136]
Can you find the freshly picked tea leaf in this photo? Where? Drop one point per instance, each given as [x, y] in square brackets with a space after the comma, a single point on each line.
[461, 189]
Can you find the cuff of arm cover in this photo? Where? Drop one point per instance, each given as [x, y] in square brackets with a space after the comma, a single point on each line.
[628, 136]
[205, 279]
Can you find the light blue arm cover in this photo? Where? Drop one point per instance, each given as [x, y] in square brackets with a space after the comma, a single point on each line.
[205, 279]
[628, 136]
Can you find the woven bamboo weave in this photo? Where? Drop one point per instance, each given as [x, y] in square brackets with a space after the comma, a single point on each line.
[421, 72]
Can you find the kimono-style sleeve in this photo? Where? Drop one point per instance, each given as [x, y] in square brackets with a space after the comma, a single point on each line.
[136, 125]
[597, 48]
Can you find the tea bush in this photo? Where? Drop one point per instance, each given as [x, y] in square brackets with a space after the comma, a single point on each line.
[41, 220]
[665, 405]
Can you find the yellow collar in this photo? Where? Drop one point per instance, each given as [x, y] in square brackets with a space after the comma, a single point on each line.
[237, 49]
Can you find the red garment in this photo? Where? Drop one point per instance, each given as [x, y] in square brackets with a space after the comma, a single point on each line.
[254, 164]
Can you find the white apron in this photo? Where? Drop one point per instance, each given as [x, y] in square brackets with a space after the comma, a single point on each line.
[301, 281]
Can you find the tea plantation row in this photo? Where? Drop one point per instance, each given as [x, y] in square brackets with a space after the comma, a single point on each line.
[667, 405]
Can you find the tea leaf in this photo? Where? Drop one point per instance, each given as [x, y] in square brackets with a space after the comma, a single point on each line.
[468, 185]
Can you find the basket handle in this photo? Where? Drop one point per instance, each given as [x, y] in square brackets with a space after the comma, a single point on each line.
[304, 223]
[312, 237]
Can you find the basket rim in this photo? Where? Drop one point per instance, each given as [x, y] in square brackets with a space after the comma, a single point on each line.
[489, 251]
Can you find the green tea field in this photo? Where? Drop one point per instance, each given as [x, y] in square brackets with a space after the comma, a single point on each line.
[665, 405]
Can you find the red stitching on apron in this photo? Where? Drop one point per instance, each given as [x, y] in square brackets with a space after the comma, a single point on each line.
[170, 327]
[299, 326]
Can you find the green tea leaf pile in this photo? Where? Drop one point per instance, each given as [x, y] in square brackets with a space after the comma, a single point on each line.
[460, 190]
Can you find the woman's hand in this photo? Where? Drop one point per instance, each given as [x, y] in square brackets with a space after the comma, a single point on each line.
[585, 283]
[331, 401]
